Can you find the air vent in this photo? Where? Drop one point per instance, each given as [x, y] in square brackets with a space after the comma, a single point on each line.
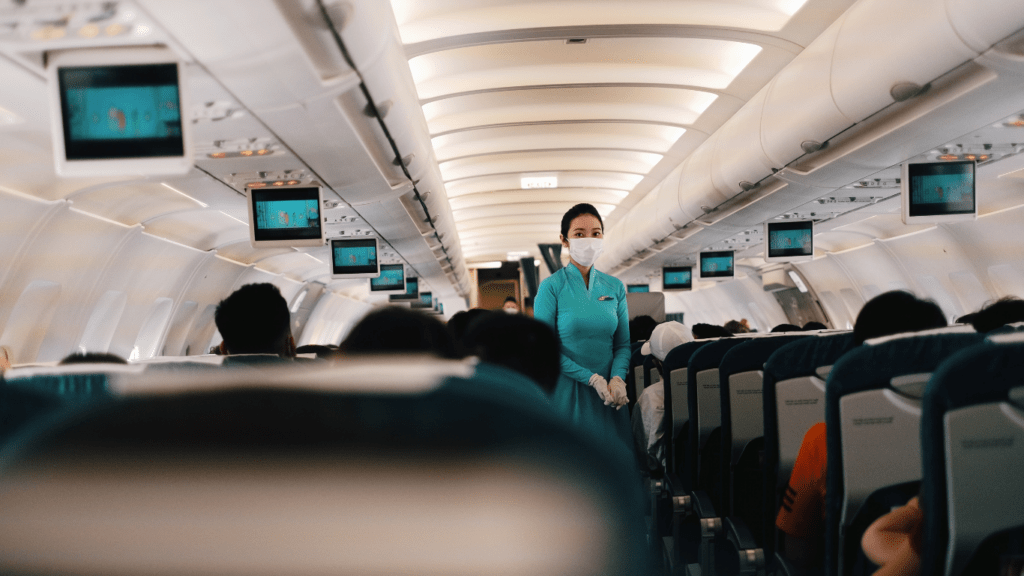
[576, 41]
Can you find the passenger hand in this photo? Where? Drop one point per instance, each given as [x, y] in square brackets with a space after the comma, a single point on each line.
[600, 385]
[617, 388]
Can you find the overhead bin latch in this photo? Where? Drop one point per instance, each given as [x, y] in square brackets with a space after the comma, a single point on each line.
[906, 90]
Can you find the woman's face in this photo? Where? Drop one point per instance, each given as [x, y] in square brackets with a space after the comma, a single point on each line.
[583, 226]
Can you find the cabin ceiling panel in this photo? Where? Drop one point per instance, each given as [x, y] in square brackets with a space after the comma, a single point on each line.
[620, 136]
[241, 251]
[537, 196]
[672, 106]
[553, 210]
[545, 161]
[582, 179]
[423, 20]
[548, 229]
[292, 264]
[695, 62]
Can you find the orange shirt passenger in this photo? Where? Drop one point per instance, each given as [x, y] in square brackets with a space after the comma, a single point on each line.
[802, 516]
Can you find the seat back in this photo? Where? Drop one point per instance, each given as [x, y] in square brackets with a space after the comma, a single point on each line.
[794, 400]
[972, 439]
[677, 411]
[740, 391]
[705, 408]
[635, 374]
[319, 472]
[651, 374]
[873, 411]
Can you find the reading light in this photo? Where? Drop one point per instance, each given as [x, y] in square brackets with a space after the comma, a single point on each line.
[89, 31]
[246, 152]
[293, 182]
[219, 155]
[257, 184]
[279, 183]
[262, 151]
[949, 157]
[115, 29]
[532, 182]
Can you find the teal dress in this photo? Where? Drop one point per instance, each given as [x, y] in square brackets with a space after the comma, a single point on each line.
[593, 324]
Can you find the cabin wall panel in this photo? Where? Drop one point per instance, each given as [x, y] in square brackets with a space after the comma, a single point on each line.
[731, 300]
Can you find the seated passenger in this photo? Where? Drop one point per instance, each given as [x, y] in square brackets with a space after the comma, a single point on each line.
[518, 343]
[786, 328]
[510, 306]
[802, 517]
[736, 327]
[641, 327]
[92, 358]
[704, 331]
[254, 321]
[814, 326]
[648, 420]
[998, 314]
[394, 329]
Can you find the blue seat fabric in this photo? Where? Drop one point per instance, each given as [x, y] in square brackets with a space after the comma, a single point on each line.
[872, 368]
[675, 447]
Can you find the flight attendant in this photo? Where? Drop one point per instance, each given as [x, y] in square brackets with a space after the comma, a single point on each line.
[587, 308]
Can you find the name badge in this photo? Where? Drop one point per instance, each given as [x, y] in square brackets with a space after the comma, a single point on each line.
[605, 298]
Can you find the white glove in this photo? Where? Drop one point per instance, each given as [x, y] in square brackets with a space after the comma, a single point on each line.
[600, 385]
[617, 388]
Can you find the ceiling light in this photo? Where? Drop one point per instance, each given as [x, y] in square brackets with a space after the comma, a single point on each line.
[487, 265]
[515, 256]
[796, 280]
[531, 182]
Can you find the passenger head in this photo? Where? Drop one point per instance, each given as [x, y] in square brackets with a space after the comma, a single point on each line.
[460, 321]
[519, 343]
[998, 314]
[736, 327]
[92, 358]
[665, 337]
[255, 320]
[703, 331]
[394, 329]
[895, 312]
[641, 327]
[510, 306]
[815, 326]
[787, 328]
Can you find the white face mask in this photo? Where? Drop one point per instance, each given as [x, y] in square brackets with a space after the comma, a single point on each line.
[585, 250]
[511, 310]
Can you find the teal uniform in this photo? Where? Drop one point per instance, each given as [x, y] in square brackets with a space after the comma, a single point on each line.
[593, 325]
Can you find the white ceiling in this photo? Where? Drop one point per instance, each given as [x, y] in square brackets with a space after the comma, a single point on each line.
[506, 95]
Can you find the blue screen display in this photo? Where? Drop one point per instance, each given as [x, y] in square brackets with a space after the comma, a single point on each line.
[123, 112]
[412, 286]
[427, 299]
[674, 278]
[392, 277]
[355, 256]
[786, 240]
[638, 288]
[716, 264]
[284, 214]
[941, 188]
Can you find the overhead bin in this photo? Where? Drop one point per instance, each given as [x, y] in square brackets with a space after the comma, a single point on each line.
[819, 118]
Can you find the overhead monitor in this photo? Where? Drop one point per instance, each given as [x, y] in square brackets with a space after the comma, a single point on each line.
[354, 258]
[717, 264]
[638, 288]
[285, 216]
[390, 281]
[412, 290]
[119, 112]
[426, 300]
[789, 241]
[676, 278]
[939, 192]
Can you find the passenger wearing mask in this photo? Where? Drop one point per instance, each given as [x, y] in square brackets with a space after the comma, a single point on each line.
[256, 326]
[587, 309]
[649, 420]
[802, 517]
[510, 306]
